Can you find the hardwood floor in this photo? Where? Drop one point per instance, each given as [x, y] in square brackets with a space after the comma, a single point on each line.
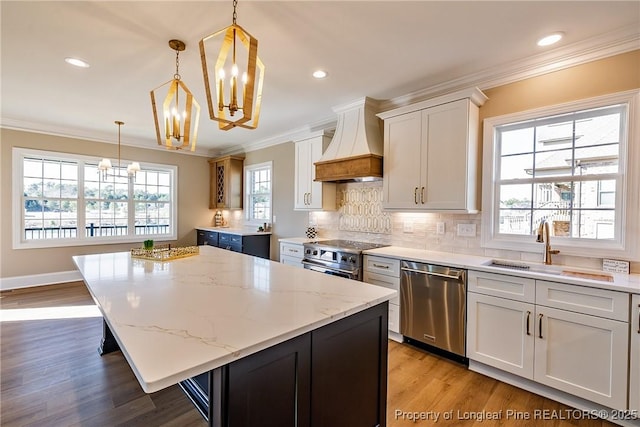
[52, 375]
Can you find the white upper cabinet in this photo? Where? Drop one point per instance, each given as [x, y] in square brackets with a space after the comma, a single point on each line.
[310, 194]
[431, 155]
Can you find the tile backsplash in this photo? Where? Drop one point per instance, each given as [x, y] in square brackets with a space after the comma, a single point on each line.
[360, 217]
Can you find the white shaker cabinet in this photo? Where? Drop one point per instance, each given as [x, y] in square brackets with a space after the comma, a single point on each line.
[310, 194]
[431, 157]
[547, 332]
[291, 254]
[634, 373]
[385, 272]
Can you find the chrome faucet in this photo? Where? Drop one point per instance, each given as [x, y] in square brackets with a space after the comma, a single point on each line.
[543, 237]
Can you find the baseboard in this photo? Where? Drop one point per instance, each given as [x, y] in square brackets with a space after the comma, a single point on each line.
[18, 282]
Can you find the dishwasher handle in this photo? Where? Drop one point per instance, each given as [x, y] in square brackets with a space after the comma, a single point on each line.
[457, 274]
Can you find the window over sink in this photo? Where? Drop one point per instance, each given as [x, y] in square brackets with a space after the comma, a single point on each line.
[572, 165]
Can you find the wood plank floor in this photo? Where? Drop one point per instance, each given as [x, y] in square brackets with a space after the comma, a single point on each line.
[52, 375]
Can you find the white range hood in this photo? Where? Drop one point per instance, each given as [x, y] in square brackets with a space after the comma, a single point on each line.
[355, 152]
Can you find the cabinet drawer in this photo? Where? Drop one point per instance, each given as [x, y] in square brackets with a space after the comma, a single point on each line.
[502, 285]
[291, 250]
[290, 260]
[384, 281]
[580, 299]
[381, 265]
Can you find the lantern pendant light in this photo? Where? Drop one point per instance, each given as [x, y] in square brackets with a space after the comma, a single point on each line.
[223, 109]
[180, 111]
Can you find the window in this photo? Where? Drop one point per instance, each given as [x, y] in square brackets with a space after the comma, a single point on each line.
[61, 200]
[567, 165]
[258, 192]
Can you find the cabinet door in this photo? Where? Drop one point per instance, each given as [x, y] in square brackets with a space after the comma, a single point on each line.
[271, 388]
[583, 355]
[500, 333]
[349, 371]
[634, 373]
[316, 189]
[303, 166]
[444, 171]
[402, 161]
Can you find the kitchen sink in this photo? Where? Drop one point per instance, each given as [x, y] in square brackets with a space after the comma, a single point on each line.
[549, 269]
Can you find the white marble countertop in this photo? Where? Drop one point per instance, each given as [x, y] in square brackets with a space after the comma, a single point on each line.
[177, 319]
[621, 282]
[244, 231]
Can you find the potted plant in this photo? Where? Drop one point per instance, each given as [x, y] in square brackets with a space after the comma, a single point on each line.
[148, 244]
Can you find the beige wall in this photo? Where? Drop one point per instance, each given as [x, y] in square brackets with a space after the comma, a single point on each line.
[193, 199]
[289, 223]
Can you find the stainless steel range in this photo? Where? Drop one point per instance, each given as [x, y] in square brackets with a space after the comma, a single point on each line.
[336, 257]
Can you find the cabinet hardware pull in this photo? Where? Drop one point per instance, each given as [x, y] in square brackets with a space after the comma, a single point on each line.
[310, 197]
[415, 196]
[306, 200]
[540, 325]
[528, 318]
[422, 195]
[639, 318]
[380, 266]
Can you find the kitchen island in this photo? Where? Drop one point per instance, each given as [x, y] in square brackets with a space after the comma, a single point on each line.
[277, 345]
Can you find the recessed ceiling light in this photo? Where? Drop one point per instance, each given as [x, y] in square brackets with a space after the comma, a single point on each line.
[550, 39]
[76, 62]
[319, 74]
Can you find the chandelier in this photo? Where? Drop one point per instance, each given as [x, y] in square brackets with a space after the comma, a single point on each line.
[105, 164]
[179, 129]
[223, 107]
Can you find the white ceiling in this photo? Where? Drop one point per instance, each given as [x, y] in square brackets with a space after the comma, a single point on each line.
[381, 49]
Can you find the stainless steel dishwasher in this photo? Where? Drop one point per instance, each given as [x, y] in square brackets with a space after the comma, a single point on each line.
[433, 305]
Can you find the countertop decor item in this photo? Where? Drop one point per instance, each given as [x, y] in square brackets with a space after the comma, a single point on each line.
[165, 254]
[148, 244]
[250, 68]
[180, 121]
[311, 232]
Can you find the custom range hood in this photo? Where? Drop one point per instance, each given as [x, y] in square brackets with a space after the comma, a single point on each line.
[355, 152]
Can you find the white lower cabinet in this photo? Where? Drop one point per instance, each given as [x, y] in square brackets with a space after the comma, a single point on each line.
[569, 350]
[634, 372]
[500, 333]
[386, 272]
[291, 254]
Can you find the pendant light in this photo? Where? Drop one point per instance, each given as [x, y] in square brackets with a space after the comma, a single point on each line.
[248, 69]
[181, 112]
[104, 166]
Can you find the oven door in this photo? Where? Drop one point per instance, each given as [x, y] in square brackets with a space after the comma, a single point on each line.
[326, 269]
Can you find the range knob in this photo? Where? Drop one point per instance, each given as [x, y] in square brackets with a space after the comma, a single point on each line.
[315, 252]
[308, 251]
[352, 259]
[343, 258]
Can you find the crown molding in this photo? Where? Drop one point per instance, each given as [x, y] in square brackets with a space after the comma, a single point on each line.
[623, 40]
[92, 136]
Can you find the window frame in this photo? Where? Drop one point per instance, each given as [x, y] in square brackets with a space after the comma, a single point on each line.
[626, 241]
[18, 219]
[248, 169]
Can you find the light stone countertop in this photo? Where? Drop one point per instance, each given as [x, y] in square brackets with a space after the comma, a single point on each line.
[622, 282]
[177, 319]
[300, 240]
[244, 231]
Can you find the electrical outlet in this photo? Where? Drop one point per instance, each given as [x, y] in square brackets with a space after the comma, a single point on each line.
[440, 228]
[467, 230]
[407, 227]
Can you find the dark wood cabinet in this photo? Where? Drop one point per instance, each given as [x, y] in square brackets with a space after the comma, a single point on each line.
[333, 376]
[257, 245]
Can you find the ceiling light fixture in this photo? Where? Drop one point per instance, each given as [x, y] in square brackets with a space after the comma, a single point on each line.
[105, 164]
[177, 119]
[551, 39]
[252, 77]
[76, 62]
[320, 74]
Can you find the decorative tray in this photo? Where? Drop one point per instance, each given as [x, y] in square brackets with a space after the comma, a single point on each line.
[164, 254]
